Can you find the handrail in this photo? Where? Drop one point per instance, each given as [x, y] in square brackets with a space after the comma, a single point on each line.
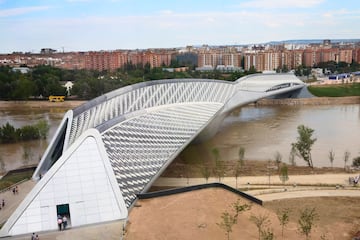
[168, 192]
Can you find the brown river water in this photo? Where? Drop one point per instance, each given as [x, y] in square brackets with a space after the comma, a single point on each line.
[262, 131]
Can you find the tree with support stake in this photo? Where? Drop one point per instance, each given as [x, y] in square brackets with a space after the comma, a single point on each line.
[304, 144]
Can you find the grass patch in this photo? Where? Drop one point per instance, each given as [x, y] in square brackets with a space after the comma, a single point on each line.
[344, 90]
[15, 177]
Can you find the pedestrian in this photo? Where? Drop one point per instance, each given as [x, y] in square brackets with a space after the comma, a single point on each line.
[16, 190]
[33, 237]
[59, 222]
[64, 220]
[13, 191]
[37, 237]
[3, 203]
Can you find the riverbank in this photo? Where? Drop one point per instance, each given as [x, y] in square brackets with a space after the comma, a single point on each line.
[70, 104]
[310, 101]
[40, 104]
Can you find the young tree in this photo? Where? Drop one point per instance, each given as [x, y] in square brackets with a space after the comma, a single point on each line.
[267, 234]
[219, 165]
[239, 164]
[306, 221]
[278, 158]
[304, 144]
[205, 171]
[292, 156]
[241, 155]
[239, 208]
[187, 170]
[284, 173]
[346, 158]
[284, 218]
[227, 223]
[229, 219]
[331, 157]
[261, 221]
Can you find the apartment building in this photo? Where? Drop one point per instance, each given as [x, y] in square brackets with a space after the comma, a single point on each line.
[311, 56]
[346, 55]
[263, 58]
[227, 57]
[271, 58]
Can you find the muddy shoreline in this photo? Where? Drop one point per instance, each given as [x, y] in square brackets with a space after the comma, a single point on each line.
[310, 101]
[40, 104]
[70, 104]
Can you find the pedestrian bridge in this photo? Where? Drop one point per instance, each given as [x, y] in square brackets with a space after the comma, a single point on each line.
[115, 146]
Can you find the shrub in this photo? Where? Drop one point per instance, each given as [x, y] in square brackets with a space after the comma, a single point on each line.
[356, 162]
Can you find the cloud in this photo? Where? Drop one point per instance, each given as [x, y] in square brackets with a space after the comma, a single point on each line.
[20, 11]
[281, 3]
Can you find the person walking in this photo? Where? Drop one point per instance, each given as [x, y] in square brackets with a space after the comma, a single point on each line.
[33, 237]
[64, 220]
[59, 222]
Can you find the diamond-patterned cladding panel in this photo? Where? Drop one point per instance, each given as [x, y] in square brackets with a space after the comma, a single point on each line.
[150, 96]
[138, 148]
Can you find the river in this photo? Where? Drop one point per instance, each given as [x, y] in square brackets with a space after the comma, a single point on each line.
[12, 154]
[261, 130]
[265, 130]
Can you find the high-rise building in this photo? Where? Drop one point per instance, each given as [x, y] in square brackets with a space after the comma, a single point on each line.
[311, 57]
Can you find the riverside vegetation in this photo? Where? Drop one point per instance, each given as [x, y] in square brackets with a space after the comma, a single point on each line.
[10, 134]
[43, 81]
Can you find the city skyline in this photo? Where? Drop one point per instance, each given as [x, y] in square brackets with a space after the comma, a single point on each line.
[85, 25]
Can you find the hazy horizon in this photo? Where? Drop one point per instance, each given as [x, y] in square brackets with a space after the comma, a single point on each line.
[92, 25]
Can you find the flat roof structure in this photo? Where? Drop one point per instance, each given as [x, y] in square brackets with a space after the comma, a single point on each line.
[115, 146]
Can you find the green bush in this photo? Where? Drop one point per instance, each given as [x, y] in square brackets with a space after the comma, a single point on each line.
[28, 133]
[10, 134]
[356, 162]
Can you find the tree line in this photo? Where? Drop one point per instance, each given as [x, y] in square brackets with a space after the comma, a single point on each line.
[43, 81]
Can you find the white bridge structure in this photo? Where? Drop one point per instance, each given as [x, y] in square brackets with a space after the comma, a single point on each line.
[115, 146]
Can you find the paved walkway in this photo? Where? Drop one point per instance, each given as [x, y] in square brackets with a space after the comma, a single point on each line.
[106, 231]
[316, 185]
[244, 182]
[297, 186]
[12, 201]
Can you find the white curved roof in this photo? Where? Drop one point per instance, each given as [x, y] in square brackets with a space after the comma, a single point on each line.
[264, 82]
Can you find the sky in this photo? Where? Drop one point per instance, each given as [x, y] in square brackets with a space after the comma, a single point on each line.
[84, 25]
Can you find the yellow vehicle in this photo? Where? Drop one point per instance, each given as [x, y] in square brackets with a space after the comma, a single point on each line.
[56, 98]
